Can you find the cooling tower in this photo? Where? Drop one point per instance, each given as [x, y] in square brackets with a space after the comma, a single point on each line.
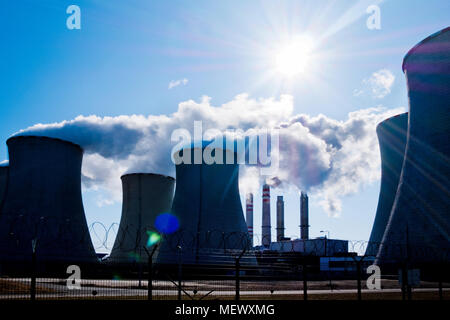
[280, 218]
[249, 215]
[266, 226]
[43, 202]
[392, 140]
[209, 211]
[145, 196]
[418, 230]
[304, 217]
[4, 170]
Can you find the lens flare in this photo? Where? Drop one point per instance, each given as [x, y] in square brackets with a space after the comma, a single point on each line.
[134, 256]
[153, 238]
[294, 57]
[167, 223]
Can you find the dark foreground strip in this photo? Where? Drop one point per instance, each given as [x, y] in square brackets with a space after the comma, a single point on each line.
[182, 310]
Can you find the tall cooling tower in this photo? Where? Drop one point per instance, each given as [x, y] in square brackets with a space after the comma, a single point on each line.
[4, 170]
[392, 140]
[145, 196]
[249, 215]
[266, 225]
[418, 229]
[43, 203]
[208, 207]
[280, 218]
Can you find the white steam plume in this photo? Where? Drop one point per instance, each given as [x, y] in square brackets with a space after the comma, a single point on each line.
[326, 157]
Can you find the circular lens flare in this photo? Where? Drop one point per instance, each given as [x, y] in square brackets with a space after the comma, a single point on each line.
[166, 223]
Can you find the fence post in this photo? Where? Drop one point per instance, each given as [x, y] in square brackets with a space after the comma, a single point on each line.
[140, 274]
[358, 275]
[238, 270]
[404, 281]
[237, 279]
[150, 273]
[179, 272]
[305, 282]
[33, 271]
[441, 271]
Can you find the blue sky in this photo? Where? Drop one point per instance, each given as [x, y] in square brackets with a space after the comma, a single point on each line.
[127, 52]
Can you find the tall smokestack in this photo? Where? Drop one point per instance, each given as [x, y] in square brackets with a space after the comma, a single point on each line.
[249, 215]
[266, 235]
[280, 218]
[304, 217]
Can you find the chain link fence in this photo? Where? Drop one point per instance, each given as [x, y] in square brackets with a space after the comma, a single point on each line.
[218, 266]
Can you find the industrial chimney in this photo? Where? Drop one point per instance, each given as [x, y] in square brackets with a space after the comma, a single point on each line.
[208, 207]
[420, 216]
[392, 140]
[43, 203]
[249, 215]
[304, 217]
[145, 196]
[266, 226]
[280, 218]
[4, 170]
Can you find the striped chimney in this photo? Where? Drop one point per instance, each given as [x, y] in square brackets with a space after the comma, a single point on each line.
[266, 235]
[249, 215]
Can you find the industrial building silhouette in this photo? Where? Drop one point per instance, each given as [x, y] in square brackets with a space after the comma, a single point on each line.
[392, 140]
[418, 229]
[145, 196]
[4, 171]
[40, 193]
[208, 206]
[43, 202]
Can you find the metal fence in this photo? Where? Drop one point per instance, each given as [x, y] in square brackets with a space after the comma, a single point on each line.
[226, 267]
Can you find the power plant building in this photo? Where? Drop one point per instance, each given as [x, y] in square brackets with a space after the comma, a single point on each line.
[391, 134]
[43, 204]
[145, 196]
[208, 207]
[313, 247]
[418, 230]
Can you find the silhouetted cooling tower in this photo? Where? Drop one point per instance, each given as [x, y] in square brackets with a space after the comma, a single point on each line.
[280, 218]
[304, 216]
[145, 196]
[392, 140]
[266, 225]
[43, 202]
[208, 207]
[4, 170]
[249, 215]
[419, 226]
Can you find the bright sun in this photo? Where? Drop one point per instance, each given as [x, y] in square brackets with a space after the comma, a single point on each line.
[294, 57]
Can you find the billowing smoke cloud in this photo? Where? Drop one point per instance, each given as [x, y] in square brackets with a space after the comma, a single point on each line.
[326, 157]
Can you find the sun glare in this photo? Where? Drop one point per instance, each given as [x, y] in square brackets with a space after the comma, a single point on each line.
[294, 57]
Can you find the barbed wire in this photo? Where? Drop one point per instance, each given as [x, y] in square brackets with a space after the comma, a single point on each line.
[18, 231]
